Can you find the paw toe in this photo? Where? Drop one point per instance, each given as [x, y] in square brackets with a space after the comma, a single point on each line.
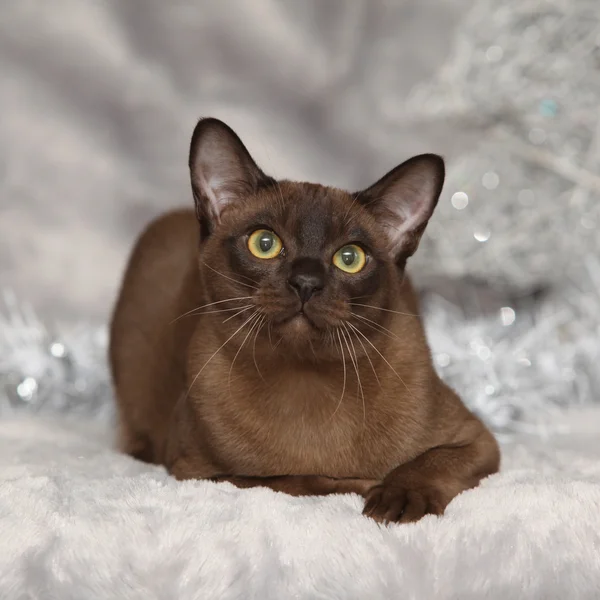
[416, 507]
[395, 504]
[385, 505]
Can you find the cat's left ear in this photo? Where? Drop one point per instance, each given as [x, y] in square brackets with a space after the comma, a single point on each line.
[403, 201]
[222, 171]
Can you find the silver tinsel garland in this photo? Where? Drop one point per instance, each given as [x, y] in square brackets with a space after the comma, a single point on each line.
[521, 209]
[51, 371]
[517, 360]
[524, 204]
[512, 255]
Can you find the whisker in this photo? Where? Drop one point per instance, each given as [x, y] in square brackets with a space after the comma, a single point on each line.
[351, 206]
[385, 309]
[243, 310]
[262, 324]
[269, 334]
[312, 347]
[382, 356]
[219, 349]
[214, 312]
[281, 196]
[364, 205]
[258, 317]
[344, 384]
[189, 312]
[376, 326]
[273, 348]
[355, 364]
[222, 310]
[231, 278]
[368, 357]
[330, 338]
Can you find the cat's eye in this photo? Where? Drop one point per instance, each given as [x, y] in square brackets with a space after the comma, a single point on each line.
[350, 259]
[265, 244]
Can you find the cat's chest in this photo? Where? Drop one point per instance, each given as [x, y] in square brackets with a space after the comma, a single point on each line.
[303, 426]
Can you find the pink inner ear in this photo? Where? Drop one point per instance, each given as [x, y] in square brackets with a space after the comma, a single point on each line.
[404, 200]
[208, 191]
[217, 170]
[412, 211]
[222, 170]
[408, 208]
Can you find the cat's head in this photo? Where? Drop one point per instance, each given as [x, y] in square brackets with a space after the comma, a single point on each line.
[303, 263]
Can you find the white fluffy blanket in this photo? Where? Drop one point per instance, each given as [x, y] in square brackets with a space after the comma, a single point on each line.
[79, 521]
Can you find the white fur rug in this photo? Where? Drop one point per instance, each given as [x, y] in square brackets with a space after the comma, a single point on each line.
[79, 521]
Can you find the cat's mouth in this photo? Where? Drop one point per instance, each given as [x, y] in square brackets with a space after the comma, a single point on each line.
[299, 317]
[298, 320]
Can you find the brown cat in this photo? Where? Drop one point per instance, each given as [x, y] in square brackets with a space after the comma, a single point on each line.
[273, 339]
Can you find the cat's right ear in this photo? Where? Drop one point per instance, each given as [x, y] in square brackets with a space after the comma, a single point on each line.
[222, 171]
[403, 201]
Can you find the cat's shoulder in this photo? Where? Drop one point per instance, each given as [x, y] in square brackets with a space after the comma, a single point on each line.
[174, 223]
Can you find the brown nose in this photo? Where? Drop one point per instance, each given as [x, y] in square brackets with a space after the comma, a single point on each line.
[307, 278]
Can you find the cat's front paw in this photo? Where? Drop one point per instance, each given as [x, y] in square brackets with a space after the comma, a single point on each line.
[401, 502]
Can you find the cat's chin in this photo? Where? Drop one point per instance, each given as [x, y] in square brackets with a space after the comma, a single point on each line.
[297, 325]
[299, 332]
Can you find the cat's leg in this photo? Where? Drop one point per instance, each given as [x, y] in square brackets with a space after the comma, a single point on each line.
[192, 463]
[139, 447]
[198, 467]
[303, 485]
[134, 443]
[427, 484]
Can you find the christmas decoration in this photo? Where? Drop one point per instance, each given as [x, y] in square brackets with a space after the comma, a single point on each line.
[518, 360]
[524, 204]
[51, 372]
[521, 208]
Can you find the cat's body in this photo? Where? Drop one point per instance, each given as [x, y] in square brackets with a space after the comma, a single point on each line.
[291, 429]
[314, 380]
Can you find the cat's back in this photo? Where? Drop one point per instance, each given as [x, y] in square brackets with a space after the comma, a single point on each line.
[160, 282]
[162, 248]
[157, 273]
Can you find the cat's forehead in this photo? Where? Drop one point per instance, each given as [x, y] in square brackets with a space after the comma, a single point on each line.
[312, 206]
[316, 215]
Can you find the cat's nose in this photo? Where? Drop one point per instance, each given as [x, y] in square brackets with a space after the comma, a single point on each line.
[306, 278]
[305, 285]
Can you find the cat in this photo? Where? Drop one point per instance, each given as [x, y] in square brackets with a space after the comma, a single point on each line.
[272, 338]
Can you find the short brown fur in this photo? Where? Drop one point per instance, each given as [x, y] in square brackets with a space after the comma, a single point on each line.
[266, 408]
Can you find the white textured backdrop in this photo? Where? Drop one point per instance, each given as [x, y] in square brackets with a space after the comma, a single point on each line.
[99, 99]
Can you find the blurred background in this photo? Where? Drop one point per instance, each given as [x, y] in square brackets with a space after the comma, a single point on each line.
[99, 99]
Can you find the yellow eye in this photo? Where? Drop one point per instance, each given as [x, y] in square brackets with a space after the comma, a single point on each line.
[264, 244]
[350, 259]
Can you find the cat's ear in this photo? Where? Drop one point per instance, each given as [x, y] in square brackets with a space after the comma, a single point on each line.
[222, 171]
[403, 201]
